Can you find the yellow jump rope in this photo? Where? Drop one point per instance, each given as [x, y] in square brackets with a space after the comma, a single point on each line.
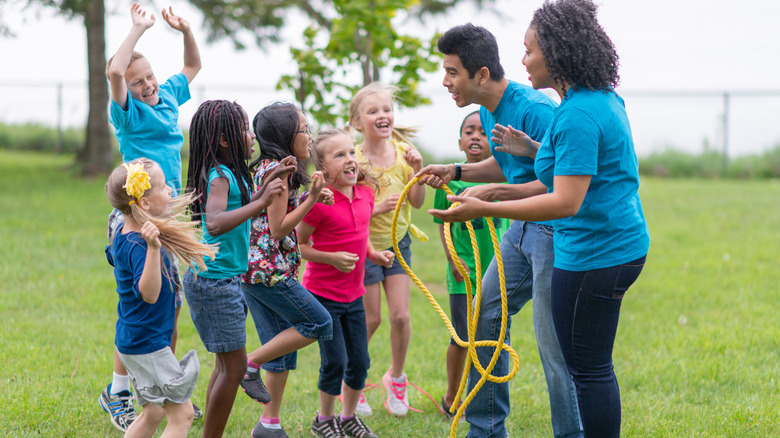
[472, 310]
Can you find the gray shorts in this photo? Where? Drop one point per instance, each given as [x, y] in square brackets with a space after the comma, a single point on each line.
[115, 218]
[159, 378]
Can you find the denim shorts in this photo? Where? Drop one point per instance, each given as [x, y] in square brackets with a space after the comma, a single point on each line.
[375, 273]
[286, 304]
[115, 218]
[218, 311]
[459, 317]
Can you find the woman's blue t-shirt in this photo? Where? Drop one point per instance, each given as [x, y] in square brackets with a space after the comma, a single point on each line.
[233, 256]
[590, 135]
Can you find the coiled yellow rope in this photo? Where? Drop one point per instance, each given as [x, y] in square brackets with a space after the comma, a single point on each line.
[472, 311]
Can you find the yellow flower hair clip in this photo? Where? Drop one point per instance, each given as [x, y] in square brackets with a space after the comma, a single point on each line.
[137, 180]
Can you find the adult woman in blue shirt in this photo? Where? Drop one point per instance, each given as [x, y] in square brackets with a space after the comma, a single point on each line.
[587, 160]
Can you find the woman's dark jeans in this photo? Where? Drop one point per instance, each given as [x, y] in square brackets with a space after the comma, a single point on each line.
[586, 308]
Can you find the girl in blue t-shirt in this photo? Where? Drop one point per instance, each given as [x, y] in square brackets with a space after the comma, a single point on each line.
[141, 252]
[221, 142]
[587, 160]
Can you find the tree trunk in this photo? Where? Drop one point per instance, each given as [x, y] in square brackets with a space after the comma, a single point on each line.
[97, 156]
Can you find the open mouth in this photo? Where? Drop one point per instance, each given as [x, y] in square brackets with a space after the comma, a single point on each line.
[350, 171]
[382, 125]
[475, 147]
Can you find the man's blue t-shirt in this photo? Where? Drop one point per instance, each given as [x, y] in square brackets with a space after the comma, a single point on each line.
[590, 135]
[153, 131]
[142, 327]
[525, 109]
[233, 256]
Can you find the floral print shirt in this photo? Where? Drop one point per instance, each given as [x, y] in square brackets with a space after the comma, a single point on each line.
[271, 260]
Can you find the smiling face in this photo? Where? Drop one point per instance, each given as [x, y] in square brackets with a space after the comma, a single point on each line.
[339, 163]
[141, 82]
[473, 140]
[302, 138]
[457, 81]
[376, 116]
[157, 198]
[534, 63]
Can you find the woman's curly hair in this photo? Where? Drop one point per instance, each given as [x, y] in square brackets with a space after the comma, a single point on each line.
[576, 49]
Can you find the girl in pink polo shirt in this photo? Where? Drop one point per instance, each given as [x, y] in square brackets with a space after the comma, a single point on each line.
[334, 241]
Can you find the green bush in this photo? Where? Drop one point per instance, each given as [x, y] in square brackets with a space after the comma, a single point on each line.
[38, 137]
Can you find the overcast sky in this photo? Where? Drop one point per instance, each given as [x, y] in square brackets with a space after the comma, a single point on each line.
[683, 45]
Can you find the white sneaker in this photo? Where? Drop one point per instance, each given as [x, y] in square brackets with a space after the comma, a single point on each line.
[363, 408]
[396, 401]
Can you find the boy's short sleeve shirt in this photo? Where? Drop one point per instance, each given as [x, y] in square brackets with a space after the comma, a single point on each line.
[141, 327]
[461, 239]
[153, 131]
[342, 226]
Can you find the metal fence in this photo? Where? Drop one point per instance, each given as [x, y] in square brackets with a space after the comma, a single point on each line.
[734, 122]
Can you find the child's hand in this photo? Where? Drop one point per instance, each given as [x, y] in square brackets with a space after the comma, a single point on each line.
[326, 197]
[413, 157]
[388, 204]
[151, 235]
[456, 275]
[286, 166]
[269, 191]
[382, 258]
[139, 17]
[175, 21]
[317, 184]
[344, 261]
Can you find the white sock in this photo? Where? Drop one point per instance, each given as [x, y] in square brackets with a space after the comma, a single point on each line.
[401, 379]
[120, 383]
[270, 423]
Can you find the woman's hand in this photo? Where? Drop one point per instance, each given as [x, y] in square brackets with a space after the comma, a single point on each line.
[469, 208]
[513, 141]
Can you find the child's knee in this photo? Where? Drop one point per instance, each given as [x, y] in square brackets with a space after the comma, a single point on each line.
[373, 322]
[402, 318]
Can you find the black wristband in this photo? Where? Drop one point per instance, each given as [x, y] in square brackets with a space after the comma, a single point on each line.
[457, 172]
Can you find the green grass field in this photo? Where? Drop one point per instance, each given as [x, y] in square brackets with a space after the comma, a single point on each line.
[697, 353]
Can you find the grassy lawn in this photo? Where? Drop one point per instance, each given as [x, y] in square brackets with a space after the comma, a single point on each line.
[697, 353]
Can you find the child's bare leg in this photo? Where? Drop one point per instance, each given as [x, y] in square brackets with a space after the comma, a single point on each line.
[397, 291]
[372, 300]
[456, 363]
[146, 423]
[119, 368]
[275, 382]
[284, 343]
[350, 399]
[180, 417]
[328, 403]
[229, 369]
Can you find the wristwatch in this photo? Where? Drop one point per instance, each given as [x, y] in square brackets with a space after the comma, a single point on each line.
[457, 172]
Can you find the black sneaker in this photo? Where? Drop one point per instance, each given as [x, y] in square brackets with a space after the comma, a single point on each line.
[120, 406]
[355, 427]
[261, 431]
[330, 428]
[197, 412]
[253, 386]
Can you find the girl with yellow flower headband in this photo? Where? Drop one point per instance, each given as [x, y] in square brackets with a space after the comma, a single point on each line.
[142, 252]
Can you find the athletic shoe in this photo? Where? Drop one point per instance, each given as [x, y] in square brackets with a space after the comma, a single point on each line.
[253, 386]
[445, 410]
[330, 428]
[355, 427]
[261, 431]
[197, 412]
[396, 401]
[120, 406]
[363, 408]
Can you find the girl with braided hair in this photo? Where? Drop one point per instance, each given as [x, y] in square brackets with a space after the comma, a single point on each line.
[221, 142]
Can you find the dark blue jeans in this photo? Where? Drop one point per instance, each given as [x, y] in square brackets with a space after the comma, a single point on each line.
[586, 309]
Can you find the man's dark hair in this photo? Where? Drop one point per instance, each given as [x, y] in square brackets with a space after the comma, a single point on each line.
[475, 46]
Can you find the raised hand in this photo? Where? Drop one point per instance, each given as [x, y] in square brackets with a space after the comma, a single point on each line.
[140, 18]
[151, 235]
[286, 166]
[175, 21]
[326, 197]
[513, 141]
[317, 184]
[388, 204]
[413, 157]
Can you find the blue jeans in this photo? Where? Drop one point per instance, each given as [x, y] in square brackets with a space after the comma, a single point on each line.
[586, 309]
[527, 252]
[345, 357]
[286, 304]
